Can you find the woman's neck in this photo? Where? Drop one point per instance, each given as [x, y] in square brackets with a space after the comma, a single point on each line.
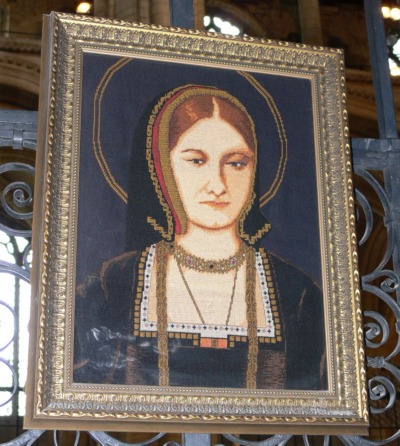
[210, 243]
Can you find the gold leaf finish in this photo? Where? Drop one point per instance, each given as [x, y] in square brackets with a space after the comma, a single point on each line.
[59, 402]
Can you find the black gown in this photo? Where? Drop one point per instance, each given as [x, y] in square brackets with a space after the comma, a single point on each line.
[108, 348]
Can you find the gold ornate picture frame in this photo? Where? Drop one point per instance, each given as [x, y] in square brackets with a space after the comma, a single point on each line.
[195, 257]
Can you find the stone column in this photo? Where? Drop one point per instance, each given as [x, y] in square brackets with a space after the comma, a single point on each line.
[310, 22]
[126, 10]
[144, 11]
[159, 12]
[5, 17]
[199, 13]
[100, 8]
[117, 9]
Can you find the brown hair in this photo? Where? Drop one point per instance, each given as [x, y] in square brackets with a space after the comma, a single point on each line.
[200, 107]
[173, 115]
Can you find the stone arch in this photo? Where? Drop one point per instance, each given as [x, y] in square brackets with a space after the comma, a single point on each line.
[19, 73]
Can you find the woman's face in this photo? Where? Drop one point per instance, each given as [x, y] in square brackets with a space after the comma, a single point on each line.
[213, 169]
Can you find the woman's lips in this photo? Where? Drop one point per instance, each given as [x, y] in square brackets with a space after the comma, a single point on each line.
[216, 204]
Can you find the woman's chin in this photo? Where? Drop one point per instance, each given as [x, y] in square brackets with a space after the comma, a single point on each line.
[215, 224]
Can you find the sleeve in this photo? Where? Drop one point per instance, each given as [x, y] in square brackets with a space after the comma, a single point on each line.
[306, 341]
[301, 303]
[103, 307]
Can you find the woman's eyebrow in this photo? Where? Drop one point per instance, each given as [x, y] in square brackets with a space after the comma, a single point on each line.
[192, 150]
[246, 152]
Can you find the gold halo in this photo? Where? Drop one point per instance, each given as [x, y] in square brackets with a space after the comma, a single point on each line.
[271, 192]
[119, 190]
[98, 151]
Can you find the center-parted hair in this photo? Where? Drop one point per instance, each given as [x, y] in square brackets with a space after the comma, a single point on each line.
[202, 107]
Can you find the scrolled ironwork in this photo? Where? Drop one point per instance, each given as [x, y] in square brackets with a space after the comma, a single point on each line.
[14, 386]
[380, 285]
[6, 338]
[362, 441]
[22, 197]
[26, 257]
[19, 198]
[376, 185]
[76, 441]
[13, 132]
[384, 297]
[368, 214]
[105, 439]
[276, 440]
[307, 441]
[385, 202]
[15, 270]
[373, 330]
[391, 283]
[379, 388]
[25, 439]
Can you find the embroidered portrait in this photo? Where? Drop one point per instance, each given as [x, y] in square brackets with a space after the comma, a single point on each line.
[196, 296]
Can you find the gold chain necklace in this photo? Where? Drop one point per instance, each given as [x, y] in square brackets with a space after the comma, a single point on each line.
[184, 258]
[194, 300]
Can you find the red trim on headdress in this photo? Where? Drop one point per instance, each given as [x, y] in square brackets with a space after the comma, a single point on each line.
[155, 149]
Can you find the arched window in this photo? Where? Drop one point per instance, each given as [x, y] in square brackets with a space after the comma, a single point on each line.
[392, 19]
[215, 23]
[15, 303]
[225, 17]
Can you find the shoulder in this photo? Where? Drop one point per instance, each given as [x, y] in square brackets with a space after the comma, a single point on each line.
[298, 294]
[119, 266]
[117, 273]
[292, 275]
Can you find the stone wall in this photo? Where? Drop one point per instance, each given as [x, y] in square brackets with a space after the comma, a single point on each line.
[278, 18]
[343, 26]
[26, 15]
[342, 23]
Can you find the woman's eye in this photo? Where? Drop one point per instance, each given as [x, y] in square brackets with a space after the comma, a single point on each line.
[196, 161]
[237, 161]
[238, 164]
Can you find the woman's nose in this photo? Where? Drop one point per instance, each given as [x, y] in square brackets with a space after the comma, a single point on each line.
[216, 183]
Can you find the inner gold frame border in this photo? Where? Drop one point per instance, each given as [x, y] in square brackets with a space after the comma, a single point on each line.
[53, 401]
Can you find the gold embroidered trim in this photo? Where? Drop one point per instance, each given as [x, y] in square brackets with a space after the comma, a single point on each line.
[163, 136]
[162, 251]
[162, 317]
[251, 239]
[251, 313]
[166, 235]
[273, 292]
[184, 258]
[139, 292]
[153, 174]
[195, 336]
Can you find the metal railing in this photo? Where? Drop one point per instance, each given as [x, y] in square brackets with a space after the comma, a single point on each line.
[376, 162]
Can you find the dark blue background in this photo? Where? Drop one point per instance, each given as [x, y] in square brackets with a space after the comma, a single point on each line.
[293, 212]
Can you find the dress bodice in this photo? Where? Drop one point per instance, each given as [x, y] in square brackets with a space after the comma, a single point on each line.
[116, 342]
